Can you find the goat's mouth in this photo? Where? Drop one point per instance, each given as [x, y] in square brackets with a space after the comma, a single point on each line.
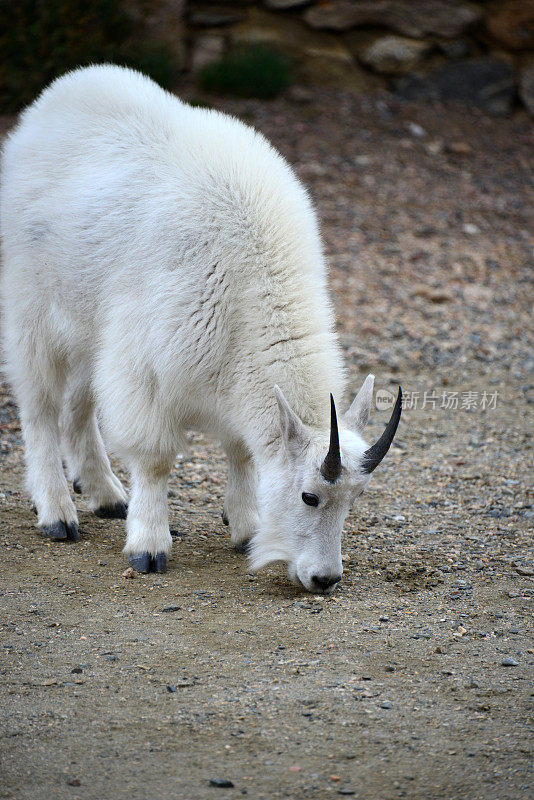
[320, 581]
[312, 585]
[314, 582]
[320, 591]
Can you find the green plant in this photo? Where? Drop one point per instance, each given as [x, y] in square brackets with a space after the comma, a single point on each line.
[252, 71]
[41, 39]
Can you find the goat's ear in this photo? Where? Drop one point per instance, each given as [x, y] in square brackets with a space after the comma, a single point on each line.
[293, 430]
[357, 416]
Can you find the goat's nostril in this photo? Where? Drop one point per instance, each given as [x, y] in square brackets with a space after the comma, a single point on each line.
[324, 582]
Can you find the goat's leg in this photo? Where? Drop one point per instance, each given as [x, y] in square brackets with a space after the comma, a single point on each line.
[148, 540]
[87, 461]
[240, 508]
[39, 394]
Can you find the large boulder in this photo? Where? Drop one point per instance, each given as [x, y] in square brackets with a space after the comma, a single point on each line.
[394, 55]
[325, 66]
[511, 24]
[316, 57]
[447, 18]
[486, 83]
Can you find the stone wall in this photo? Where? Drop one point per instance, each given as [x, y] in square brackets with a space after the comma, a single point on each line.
[479, 53]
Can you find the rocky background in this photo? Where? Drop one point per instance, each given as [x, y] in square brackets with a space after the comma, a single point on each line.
[480, 54]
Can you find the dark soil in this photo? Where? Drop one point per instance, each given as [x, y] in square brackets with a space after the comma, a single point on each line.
[414, 679]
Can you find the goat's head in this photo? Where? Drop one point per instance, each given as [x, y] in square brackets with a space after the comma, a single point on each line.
[304, 495]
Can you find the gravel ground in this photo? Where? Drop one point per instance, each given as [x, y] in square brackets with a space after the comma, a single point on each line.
[414, 679]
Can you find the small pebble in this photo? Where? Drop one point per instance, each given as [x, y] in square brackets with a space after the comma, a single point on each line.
[522, 570]
[170, 609]
[221, 783]
[386, 704]
[459, 148]
[129, 573]
[471, 229]
[460, 584]
[509, 662]
[416, 130]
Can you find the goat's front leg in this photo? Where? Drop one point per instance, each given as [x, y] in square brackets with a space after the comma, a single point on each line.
[240, 507]
[148, 541]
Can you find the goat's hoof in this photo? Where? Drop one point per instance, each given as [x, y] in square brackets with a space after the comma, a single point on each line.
[145, 562]
[242, 547]
[140, 561]
[76, 485]
[118, 511]
[61, 531]
[159, 563]
[225, 519]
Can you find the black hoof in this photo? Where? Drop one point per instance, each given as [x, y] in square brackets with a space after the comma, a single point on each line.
[225, 519]
[118, 511]
[242, 547]
[159, 563]
[145, 562]
[76, 485]
[61, 531]
[73, 534]
[140, 561]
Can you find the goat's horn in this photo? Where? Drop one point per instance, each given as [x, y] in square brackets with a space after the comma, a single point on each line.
[374, 455]
[331, 466]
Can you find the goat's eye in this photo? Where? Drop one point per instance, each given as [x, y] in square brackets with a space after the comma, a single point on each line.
[310, 499]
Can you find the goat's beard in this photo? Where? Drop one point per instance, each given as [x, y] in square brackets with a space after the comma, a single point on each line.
[267, 548]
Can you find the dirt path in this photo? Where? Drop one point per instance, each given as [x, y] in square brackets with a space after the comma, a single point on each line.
[398, 685]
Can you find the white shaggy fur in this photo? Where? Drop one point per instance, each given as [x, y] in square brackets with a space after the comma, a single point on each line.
[163, 264]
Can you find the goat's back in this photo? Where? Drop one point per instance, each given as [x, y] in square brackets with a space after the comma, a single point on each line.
[175, 237]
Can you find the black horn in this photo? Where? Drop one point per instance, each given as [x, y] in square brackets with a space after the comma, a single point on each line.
[331, 466]
[375, 454]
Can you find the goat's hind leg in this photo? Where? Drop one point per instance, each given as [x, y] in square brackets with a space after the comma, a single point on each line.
[39, 395]
[87, 461]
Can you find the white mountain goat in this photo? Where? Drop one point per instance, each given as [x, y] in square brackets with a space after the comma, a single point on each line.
[162, 264]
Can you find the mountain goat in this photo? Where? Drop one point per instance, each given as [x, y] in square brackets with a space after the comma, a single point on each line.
[162, 264]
